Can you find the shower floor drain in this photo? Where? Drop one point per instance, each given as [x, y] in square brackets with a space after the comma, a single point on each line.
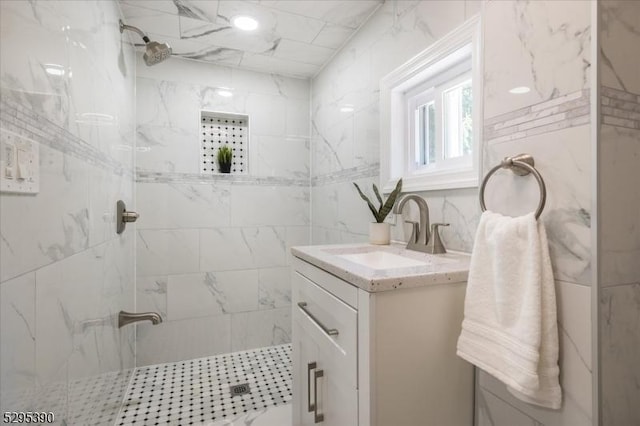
[240, 389]
[204, 390]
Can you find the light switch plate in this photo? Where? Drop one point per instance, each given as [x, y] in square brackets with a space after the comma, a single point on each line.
[19, 164]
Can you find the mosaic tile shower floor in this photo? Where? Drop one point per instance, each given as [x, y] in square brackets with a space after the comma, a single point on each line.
[198, 391]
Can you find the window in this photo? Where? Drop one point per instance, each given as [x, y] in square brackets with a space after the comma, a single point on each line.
[430, 113]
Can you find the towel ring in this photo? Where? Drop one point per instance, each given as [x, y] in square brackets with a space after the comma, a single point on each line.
[521, 165]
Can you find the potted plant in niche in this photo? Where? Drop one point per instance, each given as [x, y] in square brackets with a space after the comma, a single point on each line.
[379, 232]
[224, 159]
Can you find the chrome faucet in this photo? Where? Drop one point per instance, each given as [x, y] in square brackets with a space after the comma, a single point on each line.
[420, 231]
[125, 318]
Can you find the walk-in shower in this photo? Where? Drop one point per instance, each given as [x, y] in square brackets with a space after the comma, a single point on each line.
[154, 52]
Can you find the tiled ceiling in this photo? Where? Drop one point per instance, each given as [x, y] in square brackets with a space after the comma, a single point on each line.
[294, 37]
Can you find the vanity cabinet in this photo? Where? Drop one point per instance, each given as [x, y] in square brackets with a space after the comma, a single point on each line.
[384, 358]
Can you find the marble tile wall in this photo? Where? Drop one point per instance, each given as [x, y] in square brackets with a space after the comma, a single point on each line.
[213, 251]
[345, 120]
[544, 45]
[619, 213]
[64, 273]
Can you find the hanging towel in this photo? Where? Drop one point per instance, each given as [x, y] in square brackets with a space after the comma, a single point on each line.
[509, 328]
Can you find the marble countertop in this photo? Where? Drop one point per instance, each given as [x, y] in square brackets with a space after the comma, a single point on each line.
[414, 269]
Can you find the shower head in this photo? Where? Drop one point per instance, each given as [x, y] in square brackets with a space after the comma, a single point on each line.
[154, 52]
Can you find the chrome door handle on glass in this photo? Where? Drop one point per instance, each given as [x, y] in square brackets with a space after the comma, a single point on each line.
[329, 331]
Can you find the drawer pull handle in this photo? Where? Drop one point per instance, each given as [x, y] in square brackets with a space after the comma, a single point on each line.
[317, 418]
[310, 406]
[329, 331]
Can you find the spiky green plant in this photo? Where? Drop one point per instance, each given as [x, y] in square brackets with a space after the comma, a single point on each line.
[224, 155]
[385, 207]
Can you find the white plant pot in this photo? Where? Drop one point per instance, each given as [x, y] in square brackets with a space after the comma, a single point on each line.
[379, 233]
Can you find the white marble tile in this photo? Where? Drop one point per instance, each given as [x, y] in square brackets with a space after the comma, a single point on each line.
[59, 214]
[277, 206]
[574, 328]
[260, 328]
[17, 343]
[68, 308]
[267, 114]
[190, 338]
[302, 52]
[492, 411]
[166, 6]
[211, 294]
[620, 32]
[325, 205]
[566, 169]
[163, 252]
[540, 45]
[620, 351]
[351, 14]
[180, 206]
[274, 287]
[151, 294]
[150, 20]
[279, 415]
[269, 64]
[332, 36]
[240, 248]
[280, 156]
[297, 236]
[619, 208]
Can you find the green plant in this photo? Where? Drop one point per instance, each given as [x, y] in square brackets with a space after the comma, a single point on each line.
[224, 155]
[385, 207]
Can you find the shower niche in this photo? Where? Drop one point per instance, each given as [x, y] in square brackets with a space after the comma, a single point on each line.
[218, 129]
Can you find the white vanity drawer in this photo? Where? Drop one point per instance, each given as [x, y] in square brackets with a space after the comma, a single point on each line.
[320, 315]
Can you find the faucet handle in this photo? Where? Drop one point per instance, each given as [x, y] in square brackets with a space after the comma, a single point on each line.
[415, 231]
[435, 245]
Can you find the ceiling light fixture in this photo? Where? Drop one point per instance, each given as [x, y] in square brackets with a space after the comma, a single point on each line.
[245, 23]
[520, 90]
[347, 108]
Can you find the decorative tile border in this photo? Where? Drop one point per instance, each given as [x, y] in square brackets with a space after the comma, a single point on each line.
[558, 113]
[620, 108]
[25, 122]
[168, 177]
[367, 170]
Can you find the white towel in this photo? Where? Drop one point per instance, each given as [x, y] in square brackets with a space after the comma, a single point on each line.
[509, 328]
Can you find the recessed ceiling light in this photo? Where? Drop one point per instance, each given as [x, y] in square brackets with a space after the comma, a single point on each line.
[245, 23]
[520, 90]
[346, 108]
[226, 93]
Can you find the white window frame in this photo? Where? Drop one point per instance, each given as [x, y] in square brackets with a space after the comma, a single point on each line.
[445, 63]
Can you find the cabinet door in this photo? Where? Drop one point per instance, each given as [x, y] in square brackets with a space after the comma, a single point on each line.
[323, 365]
[305, 352]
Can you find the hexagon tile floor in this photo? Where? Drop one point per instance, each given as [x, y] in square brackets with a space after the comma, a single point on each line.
[204, 391]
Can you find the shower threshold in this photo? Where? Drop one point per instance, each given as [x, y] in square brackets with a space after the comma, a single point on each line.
[199, 391]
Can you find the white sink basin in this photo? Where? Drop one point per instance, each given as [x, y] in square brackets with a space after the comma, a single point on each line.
[382, 260]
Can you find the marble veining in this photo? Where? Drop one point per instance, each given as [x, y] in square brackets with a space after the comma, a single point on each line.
[437, 269]
[358, 172]
[195, 178]
[620, 108]
[292, 39]
[558, 113]
[29, 124]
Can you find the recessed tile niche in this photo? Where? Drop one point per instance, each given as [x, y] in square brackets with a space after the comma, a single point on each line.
[218, 129]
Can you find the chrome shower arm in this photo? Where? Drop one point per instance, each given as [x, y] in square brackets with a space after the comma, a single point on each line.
[124, 26]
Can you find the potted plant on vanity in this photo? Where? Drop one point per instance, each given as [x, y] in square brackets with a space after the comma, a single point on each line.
[379, 231]
[224, 159]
